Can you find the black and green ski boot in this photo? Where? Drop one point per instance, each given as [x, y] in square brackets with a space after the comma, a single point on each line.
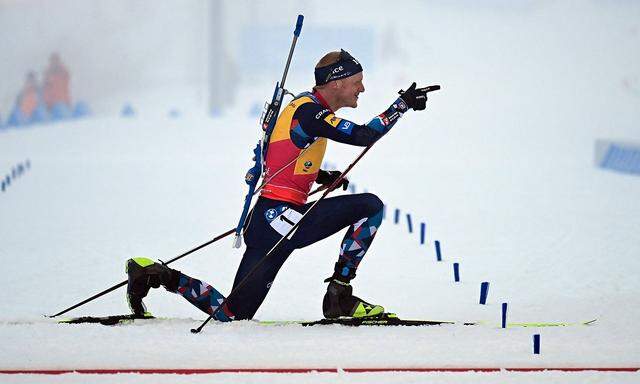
[144, 274]
[340, 302]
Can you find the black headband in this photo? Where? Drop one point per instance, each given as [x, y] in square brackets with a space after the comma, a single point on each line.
[345, 67]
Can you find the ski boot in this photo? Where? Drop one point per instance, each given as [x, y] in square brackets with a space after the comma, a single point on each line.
[339, 300]
[144, 274]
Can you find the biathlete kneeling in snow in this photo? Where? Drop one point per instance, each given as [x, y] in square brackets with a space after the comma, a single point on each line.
[296, 149]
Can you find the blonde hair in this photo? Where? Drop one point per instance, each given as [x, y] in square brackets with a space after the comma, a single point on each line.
[328, 59]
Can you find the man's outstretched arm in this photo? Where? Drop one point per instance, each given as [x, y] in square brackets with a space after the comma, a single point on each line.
[316, 121]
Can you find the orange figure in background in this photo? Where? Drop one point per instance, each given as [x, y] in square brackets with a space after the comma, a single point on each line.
[56, 83]
[28, 99]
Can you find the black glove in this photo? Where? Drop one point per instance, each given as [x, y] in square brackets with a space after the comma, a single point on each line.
[327, 178]
[416, 98]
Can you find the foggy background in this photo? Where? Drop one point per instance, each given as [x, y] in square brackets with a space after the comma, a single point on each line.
[511, 57]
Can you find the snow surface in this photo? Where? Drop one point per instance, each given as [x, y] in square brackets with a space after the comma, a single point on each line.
[110, 189]
[501, 172]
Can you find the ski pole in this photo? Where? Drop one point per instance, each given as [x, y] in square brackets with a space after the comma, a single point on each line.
[290, 233]
[123, 283]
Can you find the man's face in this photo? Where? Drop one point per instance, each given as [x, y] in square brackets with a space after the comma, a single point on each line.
[349, 90]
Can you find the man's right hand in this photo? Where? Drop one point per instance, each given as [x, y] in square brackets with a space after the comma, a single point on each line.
[327, 178]
[416, 98]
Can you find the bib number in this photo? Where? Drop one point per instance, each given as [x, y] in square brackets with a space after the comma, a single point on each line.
[283, 222]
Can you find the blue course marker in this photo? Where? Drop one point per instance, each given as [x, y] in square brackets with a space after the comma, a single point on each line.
[81, 109]
[215, 112]
[396, 218]
[536, 344]
[504, 315]
[456, 272]
[127, 110]
[423, 232]
[409, 223]
[174, 113]
[484, 291]
[438, 253]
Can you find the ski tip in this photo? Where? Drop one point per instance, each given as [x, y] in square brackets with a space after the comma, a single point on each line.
[552, 324]
[67, 320]
[107, 320]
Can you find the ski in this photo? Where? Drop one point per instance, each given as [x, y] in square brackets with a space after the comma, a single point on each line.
[386, 319]
[105, 320]
[392, 320]
[556, 324]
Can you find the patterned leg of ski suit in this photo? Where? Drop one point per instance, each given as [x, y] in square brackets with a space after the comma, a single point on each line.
[362, 213]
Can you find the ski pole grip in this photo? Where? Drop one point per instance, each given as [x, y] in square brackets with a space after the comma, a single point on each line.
[298, 25]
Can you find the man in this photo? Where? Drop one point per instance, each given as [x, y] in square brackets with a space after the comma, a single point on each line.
[296, 149]
[56, 84]
[29, 98]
